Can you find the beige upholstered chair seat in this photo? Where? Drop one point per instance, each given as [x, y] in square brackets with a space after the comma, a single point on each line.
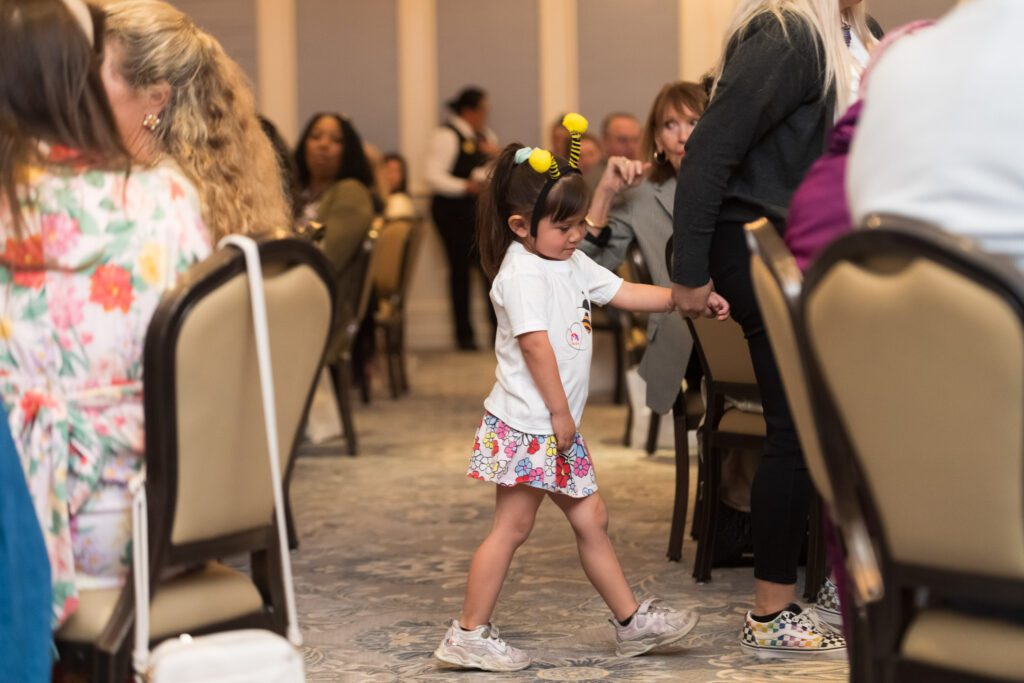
[213, 594]
[736, 421]
[973, 645]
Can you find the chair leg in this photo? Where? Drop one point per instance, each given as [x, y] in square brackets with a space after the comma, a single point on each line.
[627, 436]
[394, 367]
[682, 498]
[341, 378]
[289, 520]
[653, 428]
[698, 504]
[709, 522]
[403, 374]
[366, 382]
[620, 359]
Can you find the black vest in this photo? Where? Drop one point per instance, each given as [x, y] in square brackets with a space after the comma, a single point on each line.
[460, 209]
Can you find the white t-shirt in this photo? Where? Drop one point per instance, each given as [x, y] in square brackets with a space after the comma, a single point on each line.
[529, 294]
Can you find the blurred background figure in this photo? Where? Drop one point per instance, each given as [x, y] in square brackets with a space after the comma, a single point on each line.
[620, 135]
[456, 170]
[590, 153]
[397, 203]
[176, 94]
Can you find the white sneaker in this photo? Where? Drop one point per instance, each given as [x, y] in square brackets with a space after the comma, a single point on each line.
[652, 627]
[793, 633]
[480, 648]
[827, 605]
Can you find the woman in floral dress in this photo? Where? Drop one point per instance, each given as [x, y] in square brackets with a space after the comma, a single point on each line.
[88, 246]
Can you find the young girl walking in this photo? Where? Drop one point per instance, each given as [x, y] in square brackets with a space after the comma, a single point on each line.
[531, 219]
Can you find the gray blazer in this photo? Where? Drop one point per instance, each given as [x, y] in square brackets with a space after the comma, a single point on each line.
[645, 215]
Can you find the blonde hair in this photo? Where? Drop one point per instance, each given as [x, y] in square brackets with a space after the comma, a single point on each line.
[209, 126]
[824, 19]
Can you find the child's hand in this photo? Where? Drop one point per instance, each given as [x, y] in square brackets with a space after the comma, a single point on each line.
[565, 430]
[718, 306]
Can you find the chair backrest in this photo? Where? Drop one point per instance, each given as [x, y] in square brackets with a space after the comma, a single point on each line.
[353, 289]
[398, 245]
[208, 475]
[723, 351]
[777, 286]
[916, 340]
[636, 265]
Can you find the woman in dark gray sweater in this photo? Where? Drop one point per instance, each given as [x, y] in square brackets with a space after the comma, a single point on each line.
[788, 67]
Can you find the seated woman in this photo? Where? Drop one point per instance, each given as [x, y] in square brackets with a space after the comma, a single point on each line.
[645, 215]
[398, 203]
[177, 95]
[90, 244]
[336, 183]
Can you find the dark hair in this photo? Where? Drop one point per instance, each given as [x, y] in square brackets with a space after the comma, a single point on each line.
[354, 163]
[395, 156]
[513, 189]
[285, 162]
[468, 98]
[678, 95]
[50, 91]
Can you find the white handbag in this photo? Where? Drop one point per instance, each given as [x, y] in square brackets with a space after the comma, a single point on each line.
[242, 656]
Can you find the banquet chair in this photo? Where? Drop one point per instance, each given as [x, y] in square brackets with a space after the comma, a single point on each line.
[207, 472]
[915, 339]
[398, 246]
[725, 353]
[728, 374]
[777, 285]
[351, 303]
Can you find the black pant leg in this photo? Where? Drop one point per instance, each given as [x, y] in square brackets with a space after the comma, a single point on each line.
[457, 234]
[782, 488]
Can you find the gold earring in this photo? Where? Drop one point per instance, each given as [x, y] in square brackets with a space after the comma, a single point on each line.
[150, 122]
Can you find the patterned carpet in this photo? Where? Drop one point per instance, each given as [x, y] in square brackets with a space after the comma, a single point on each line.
[386, 539]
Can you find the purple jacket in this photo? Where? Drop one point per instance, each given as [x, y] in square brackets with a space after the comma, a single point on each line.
[818, 213]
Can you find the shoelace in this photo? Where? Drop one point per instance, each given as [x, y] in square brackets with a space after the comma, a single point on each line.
[809, 621]
[648, 607]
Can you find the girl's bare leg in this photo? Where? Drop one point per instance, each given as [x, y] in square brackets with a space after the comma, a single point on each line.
[589, 519]
[514, 512]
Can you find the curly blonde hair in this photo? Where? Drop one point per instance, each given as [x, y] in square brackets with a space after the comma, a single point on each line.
[209, 126]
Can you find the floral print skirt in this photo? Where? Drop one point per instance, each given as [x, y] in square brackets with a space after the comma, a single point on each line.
[507, 457]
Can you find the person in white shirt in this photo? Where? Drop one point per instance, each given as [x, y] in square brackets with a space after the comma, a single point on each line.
[531, 222]
[456, 171]
[940, 138]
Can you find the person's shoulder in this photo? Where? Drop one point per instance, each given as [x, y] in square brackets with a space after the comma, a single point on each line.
[161, 180]
[518, 262]
[787, 29]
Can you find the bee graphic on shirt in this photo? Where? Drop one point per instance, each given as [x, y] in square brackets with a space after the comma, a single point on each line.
[585, 306]
[578, 332]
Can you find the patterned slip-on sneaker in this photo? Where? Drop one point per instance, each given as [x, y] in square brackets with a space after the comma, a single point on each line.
[480, 648]
[792, 633]
[652, 626]
[827, 605]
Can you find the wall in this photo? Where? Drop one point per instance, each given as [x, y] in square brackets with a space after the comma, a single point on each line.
[893, 13]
